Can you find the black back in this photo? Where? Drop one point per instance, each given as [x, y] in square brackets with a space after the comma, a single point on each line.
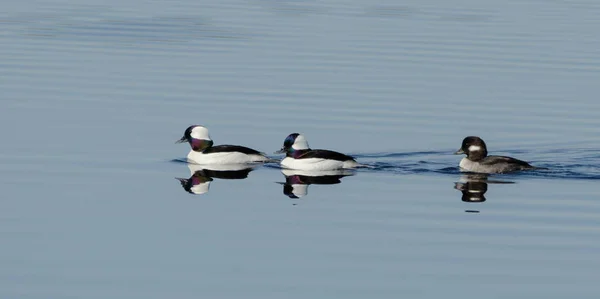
[325, 154]
[231, 148]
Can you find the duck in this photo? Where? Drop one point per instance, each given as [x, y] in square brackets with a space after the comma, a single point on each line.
[203, 152]
[299, 156]
[478, 161]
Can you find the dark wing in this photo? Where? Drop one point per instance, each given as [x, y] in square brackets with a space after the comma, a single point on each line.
[231, 148]
[325, 154]
[514, 163]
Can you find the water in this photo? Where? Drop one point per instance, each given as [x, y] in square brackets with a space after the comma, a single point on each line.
[94, 94]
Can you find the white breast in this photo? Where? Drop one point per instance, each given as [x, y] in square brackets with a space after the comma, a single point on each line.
[316, 164]
[468, 165]
[224, 158]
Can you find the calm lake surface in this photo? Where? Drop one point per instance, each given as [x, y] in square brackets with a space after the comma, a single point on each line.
[95, 93]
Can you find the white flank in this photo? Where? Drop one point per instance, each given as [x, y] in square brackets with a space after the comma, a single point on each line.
[316, 164]
[224, 158]
[300, 143]
[200, 132]
[474, 148]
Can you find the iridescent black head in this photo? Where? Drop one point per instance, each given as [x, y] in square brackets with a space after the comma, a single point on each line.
[473, 147]
[187, 135]
[293, 142]
[289, 141]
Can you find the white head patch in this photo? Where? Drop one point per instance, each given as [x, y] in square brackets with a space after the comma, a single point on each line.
[474, 148]
[300, 143]
[200, 132]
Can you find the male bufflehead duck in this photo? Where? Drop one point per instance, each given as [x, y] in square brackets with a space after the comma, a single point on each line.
[203, 151]
[298, 155]
[477, 159]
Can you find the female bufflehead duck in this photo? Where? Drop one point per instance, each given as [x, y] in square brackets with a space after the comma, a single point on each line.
[203, 151]
[299, 156]
[477, 159]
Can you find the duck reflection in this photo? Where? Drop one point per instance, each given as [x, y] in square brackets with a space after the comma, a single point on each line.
[474, 187]
[202, 175]
[297, 181]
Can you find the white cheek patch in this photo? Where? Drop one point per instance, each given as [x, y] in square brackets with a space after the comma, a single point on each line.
[474, 148]
[300, 143]
[200, 133]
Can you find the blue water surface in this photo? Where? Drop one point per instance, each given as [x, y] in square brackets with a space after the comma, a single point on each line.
[96, 204]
